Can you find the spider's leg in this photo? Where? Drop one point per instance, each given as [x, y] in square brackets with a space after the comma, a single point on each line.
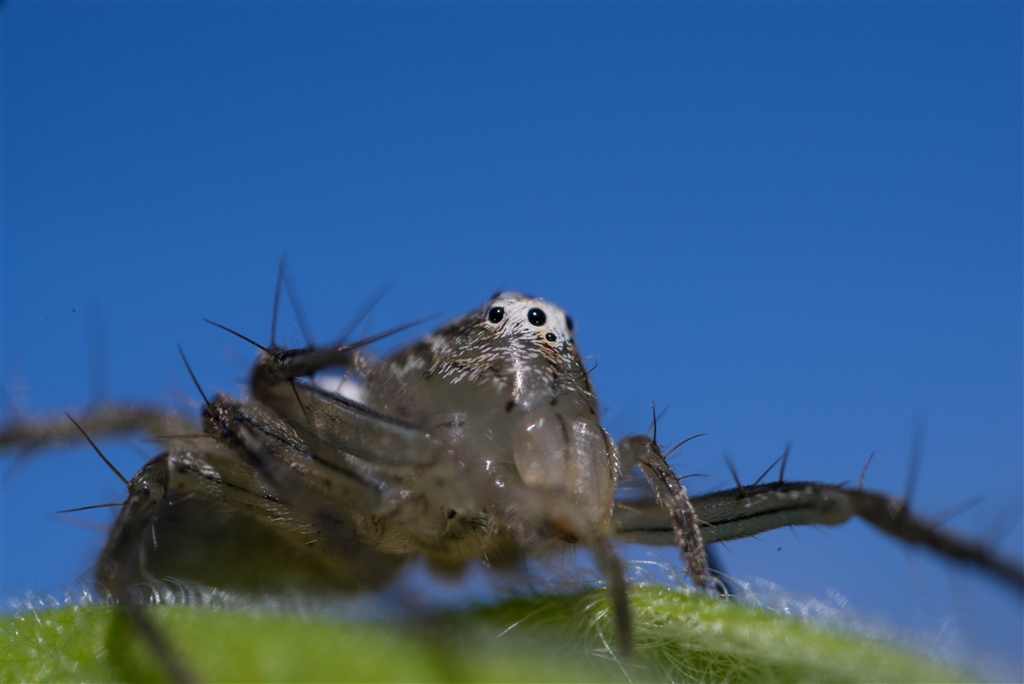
[423, 467]
[336, 505]
[351, 427]
[736, 514]
[672, 496]
[336, 423]
[377, 447]
[145, 493]
[611, 567]
[182, 472]
[892, 516]
[105, 420]
[720, 578]
[289, 464]
[215, 472]
[244, 463]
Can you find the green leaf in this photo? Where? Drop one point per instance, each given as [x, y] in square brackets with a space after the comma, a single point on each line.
[679, 637]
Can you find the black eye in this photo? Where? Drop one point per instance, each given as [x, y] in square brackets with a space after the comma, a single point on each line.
[550, 337]
[536, 316]
[568, 322]
[496, 314]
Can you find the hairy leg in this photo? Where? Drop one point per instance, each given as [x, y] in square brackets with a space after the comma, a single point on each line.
[673, 504]
[748, 511]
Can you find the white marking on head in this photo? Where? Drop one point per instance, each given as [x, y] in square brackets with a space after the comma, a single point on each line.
[515, 314]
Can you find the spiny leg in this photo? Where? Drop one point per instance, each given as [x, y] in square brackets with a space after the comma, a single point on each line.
[894, 517]
[275, 451]
[340, 425]
[673, 500]
[215, 472]
[313, 491]
[145, 493]
[235, 485]
[354, 436]
[748, 511]
[107, 420]
[347, 430]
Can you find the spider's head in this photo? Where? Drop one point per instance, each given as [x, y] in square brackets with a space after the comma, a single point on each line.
[517, 350]
[532, 348]
[510, 314]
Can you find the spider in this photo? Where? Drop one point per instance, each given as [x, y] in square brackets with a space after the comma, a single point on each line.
[482, 441]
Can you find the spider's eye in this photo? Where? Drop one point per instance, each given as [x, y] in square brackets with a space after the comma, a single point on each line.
[496, 314]
[536, 316]
[550, 337]
[568, 322]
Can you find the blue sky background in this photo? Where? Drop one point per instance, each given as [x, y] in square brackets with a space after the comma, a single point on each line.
[782, 221]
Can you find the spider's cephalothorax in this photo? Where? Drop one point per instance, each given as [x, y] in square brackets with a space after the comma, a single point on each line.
[507, 384]
[482, 441]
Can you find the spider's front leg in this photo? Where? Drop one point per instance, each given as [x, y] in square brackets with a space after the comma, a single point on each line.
[673, 500]
[336, 424]
[146, 491]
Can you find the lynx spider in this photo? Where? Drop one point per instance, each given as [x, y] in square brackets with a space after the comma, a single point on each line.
[482, 441]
